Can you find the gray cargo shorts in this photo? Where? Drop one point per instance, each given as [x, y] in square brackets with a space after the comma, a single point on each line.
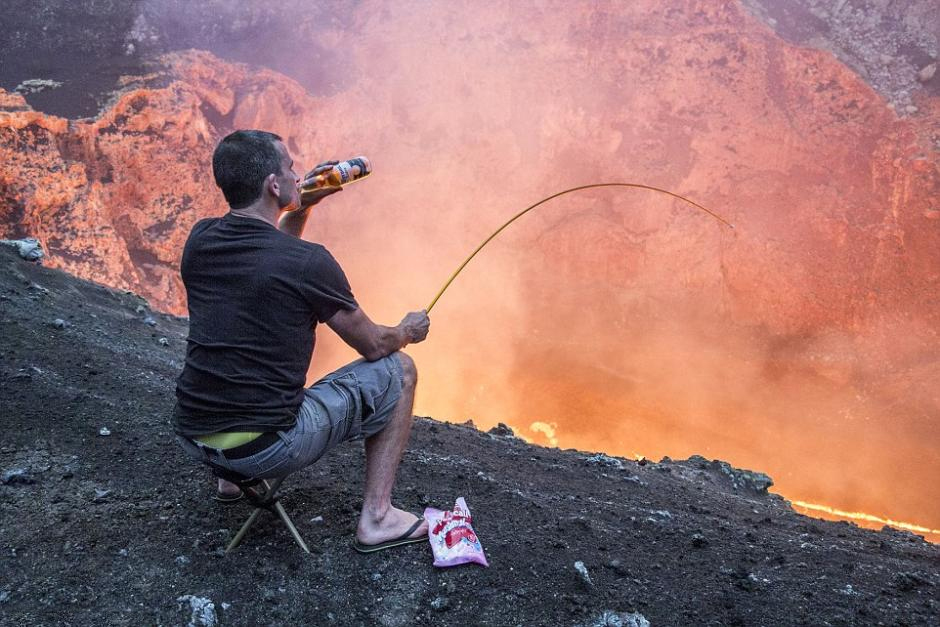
[353, 402]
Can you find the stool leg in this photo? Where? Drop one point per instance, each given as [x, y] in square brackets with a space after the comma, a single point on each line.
[283, 513]
[270, 490]
[273, 486]
[241, 532]
[290, 526]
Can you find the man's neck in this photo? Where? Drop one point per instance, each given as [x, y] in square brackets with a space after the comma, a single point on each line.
[258, 211]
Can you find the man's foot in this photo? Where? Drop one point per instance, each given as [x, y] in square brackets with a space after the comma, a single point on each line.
[227, 492]
[393, 526]
[403, 539]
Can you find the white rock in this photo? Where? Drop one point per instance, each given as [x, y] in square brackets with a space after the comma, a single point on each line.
[202, 611]
[33, 85]
[29, 248]
[635, 619]
[583, 571]
[610, 618]
[104, 431]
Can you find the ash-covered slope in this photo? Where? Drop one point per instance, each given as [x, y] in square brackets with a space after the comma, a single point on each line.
[115, 529]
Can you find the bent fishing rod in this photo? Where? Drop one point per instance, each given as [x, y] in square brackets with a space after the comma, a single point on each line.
[561, 193]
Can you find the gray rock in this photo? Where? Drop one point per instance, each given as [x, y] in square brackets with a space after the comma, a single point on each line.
[4, 596]
[740, 478]
[164, 342]
[17, 476]
[609, 618]
[182, 560]
[619, 567]
[502, 430]
[440, 604]
[848, 591]
[29, 248]
[150, 322]
[604, 460]
[635, 619]
[59, 323]
[202, 611]
[698, 540]
[583, 571]
[104, 432]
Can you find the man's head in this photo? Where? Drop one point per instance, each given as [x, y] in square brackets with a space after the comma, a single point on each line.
[249, 164]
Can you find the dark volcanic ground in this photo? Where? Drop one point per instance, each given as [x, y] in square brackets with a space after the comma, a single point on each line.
[119, 529]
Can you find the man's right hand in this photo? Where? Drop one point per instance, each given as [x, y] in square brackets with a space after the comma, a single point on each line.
[374, 341]
[311, 198]
[415, 326]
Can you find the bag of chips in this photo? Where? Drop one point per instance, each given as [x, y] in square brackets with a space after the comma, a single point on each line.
[453, 540]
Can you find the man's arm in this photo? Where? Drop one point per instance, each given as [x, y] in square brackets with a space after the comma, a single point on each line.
[374, 341]
[293, 222]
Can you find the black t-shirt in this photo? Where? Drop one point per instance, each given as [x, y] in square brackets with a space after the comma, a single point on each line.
[255, 297]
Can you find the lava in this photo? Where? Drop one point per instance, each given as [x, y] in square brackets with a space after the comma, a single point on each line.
[815, 508]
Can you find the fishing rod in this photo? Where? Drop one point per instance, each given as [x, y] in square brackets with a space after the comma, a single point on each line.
[561, 193]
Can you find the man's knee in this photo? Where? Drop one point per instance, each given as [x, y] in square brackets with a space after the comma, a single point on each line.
[409, 371]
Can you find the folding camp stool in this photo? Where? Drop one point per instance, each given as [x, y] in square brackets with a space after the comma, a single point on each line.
[262, 495]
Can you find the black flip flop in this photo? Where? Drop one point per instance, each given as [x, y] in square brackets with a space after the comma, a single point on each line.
[401, 540]
[227, 499]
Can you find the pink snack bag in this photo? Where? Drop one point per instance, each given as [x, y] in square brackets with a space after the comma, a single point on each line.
[453, 540]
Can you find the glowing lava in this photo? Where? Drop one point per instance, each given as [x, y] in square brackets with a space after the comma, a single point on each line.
[867, 520]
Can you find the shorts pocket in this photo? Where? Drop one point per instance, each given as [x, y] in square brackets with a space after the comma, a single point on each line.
[289, 439]
[347, 390]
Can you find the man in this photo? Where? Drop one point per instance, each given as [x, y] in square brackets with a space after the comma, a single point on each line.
[256, 292]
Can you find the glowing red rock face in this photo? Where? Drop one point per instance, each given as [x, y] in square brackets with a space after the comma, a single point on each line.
[804, 344]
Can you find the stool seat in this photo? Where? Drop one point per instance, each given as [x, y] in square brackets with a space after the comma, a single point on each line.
[263, 496]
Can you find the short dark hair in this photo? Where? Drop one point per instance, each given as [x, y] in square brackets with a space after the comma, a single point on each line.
[241, 162]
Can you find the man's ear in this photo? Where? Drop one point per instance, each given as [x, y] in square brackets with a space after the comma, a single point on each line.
[272, 186]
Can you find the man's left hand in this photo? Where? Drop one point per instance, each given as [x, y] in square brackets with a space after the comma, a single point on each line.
[310, 199]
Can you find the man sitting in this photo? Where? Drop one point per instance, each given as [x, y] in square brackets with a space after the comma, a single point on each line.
[256, 293]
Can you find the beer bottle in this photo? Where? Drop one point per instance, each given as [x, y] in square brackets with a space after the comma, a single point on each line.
[342, 173]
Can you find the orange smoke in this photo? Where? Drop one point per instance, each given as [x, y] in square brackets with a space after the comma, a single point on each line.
[803, 344]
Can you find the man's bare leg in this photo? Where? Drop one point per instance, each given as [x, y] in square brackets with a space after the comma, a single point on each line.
[379, 520]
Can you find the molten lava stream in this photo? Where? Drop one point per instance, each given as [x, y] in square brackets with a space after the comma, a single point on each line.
[864, 520]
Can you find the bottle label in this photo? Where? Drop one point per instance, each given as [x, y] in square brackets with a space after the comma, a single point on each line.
[351, 169]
